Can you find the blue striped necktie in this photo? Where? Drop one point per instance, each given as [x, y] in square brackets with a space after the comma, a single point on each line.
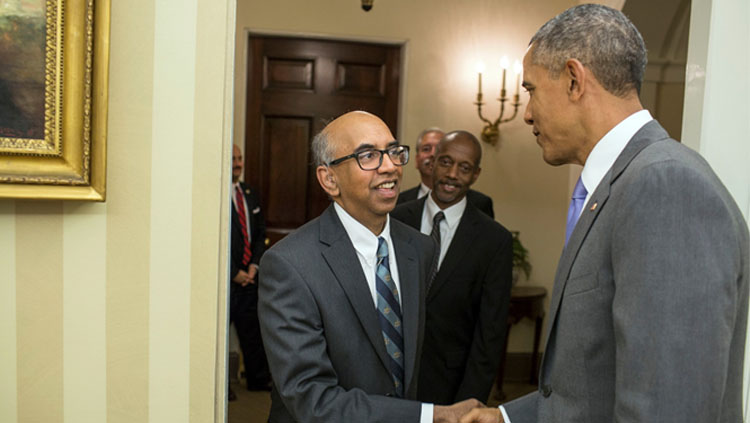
[389, 315]
[574, 210]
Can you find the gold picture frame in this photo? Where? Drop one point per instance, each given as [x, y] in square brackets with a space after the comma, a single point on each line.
[67, 157]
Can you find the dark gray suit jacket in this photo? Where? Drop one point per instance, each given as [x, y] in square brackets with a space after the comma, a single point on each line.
[649, 307]
[467, 304]
[320, 326]
[481, 201]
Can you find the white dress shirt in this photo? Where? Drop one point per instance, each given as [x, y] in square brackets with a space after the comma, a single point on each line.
[423, 190]
[366, 245]
[447, 226]
[602, 157]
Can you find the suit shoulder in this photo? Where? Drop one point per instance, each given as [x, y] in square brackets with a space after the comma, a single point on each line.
[305, 236]
[421, 240]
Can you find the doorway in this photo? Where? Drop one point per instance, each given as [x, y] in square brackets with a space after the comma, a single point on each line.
[295, 86]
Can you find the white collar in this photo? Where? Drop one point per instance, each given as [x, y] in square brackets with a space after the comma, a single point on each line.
[452, 214]
[364, 241]
[606, 151]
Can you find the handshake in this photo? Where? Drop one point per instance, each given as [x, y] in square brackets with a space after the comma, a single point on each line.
[467, 411]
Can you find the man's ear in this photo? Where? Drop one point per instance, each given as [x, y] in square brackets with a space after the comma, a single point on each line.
[474, 177]
[327, 180]
[576, 74]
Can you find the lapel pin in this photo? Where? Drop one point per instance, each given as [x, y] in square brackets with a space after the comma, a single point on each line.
[594, 206]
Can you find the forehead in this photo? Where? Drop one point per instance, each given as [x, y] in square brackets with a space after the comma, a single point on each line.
[431, 137]
[460, 149]
[357, 131]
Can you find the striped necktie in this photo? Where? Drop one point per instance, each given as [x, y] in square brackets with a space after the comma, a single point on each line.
[242, 214]
[389, 315]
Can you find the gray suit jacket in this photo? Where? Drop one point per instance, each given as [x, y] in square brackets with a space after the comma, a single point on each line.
[320, 326]
[649, 307]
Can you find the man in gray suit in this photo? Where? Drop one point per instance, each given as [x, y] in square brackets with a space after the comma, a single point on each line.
[649, 308]
[342, 299]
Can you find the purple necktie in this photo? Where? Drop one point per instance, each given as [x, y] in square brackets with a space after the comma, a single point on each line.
[574, 211]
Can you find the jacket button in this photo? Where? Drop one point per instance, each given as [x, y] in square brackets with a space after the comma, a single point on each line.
[546, 391]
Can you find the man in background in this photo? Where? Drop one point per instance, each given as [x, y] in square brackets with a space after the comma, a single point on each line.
[468, 300]
[426, 142]
[649, 308]
[342, 297]
[248, 245]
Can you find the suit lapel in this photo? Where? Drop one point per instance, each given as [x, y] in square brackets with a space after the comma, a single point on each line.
[650, 133]
[408, 274]
[460, 245]
[343, 261]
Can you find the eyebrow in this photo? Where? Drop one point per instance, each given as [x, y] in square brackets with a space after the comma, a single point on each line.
[365, 146]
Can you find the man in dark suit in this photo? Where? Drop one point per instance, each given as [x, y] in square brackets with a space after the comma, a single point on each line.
[649, 308]
[426, 142]
[468, 301]
[342, 298]
[248, 245]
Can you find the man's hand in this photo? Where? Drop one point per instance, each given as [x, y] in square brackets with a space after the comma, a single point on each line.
[451, 413]
[252, 272]
[483, 415]
[242, 278]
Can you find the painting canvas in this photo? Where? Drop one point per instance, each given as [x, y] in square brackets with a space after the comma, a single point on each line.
[22, 73]
[54, 68]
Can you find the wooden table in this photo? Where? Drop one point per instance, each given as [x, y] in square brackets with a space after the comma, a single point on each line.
[525, 301]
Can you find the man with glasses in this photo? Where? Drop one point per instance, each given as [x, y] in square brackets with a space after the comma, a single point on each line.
[342, 298]
[469, 297]
[426, 142]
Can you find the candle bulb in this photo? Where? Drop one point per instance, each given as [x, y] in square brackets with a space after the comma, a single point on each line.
[480, 69]
[504, 65]
[517, 68]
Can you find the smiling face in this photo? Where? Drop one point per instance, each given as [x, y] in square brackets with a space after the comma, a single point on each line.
[455, 169]
[426, 154]
[551, 114]
[367, 195]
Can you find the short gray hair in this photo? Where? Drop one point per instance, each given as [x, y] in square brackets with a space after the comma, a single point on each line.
[601, 38]
[427, 131]
[322, 150]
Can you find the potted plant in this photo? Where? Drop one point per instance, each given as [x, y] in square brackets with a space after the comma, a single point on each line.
[520, 259]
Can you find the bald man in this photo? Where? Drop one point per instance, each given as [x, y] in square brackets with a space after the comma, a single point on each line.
[342, 298]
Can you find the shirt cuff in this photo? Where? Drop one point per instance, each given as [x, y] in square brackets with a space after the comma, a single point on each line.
[427, 412]
[506, 419]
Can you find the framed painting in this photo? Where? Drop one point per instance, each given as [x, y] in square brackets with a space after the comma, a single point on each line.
[53, 98]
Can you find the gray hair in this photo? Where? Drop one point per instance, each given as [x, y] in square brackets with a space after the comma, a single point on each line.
[425, 132]
[322, 150]
[601, 38]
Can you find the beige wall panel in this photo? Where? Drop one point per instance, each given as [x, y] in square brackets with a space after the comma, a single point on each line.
[211, 150]
[39, 305]
[128, 211]
[84, 341]
[444, 39]
[8, 361]
[171, 209]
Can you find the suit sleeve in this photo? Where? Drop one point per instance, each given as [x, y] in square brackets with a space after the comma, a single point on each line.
[675, 264]
[295, 343]
[524, 409]
[258, 229]
[490, 329]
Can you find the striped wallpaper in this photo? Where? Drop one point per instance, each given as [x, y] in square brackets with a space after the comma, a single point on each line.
[109, 311]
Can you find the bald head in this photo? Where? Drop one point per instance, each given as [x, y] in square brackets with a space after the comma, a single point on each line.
[367, 195]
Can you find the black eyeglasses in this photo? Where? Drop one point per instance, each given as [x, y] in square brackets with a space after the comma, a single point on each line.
[372, 158]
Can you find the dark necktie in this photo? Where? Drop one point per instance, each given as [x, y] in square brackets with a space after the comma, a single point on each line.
[574, 210]
[389, 315]
[240, 200]
[435, 234]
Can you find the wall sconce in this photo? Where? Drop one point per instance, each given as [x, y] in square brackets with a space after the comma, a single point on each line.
[367, 5]
[491, 132]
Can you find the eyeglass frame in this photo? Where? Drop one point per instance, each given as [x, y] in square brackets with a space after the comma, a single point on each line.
[383, 152]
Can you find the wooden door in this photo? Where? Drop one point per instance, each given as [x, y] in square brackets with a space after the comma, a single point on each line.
[295, 86]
